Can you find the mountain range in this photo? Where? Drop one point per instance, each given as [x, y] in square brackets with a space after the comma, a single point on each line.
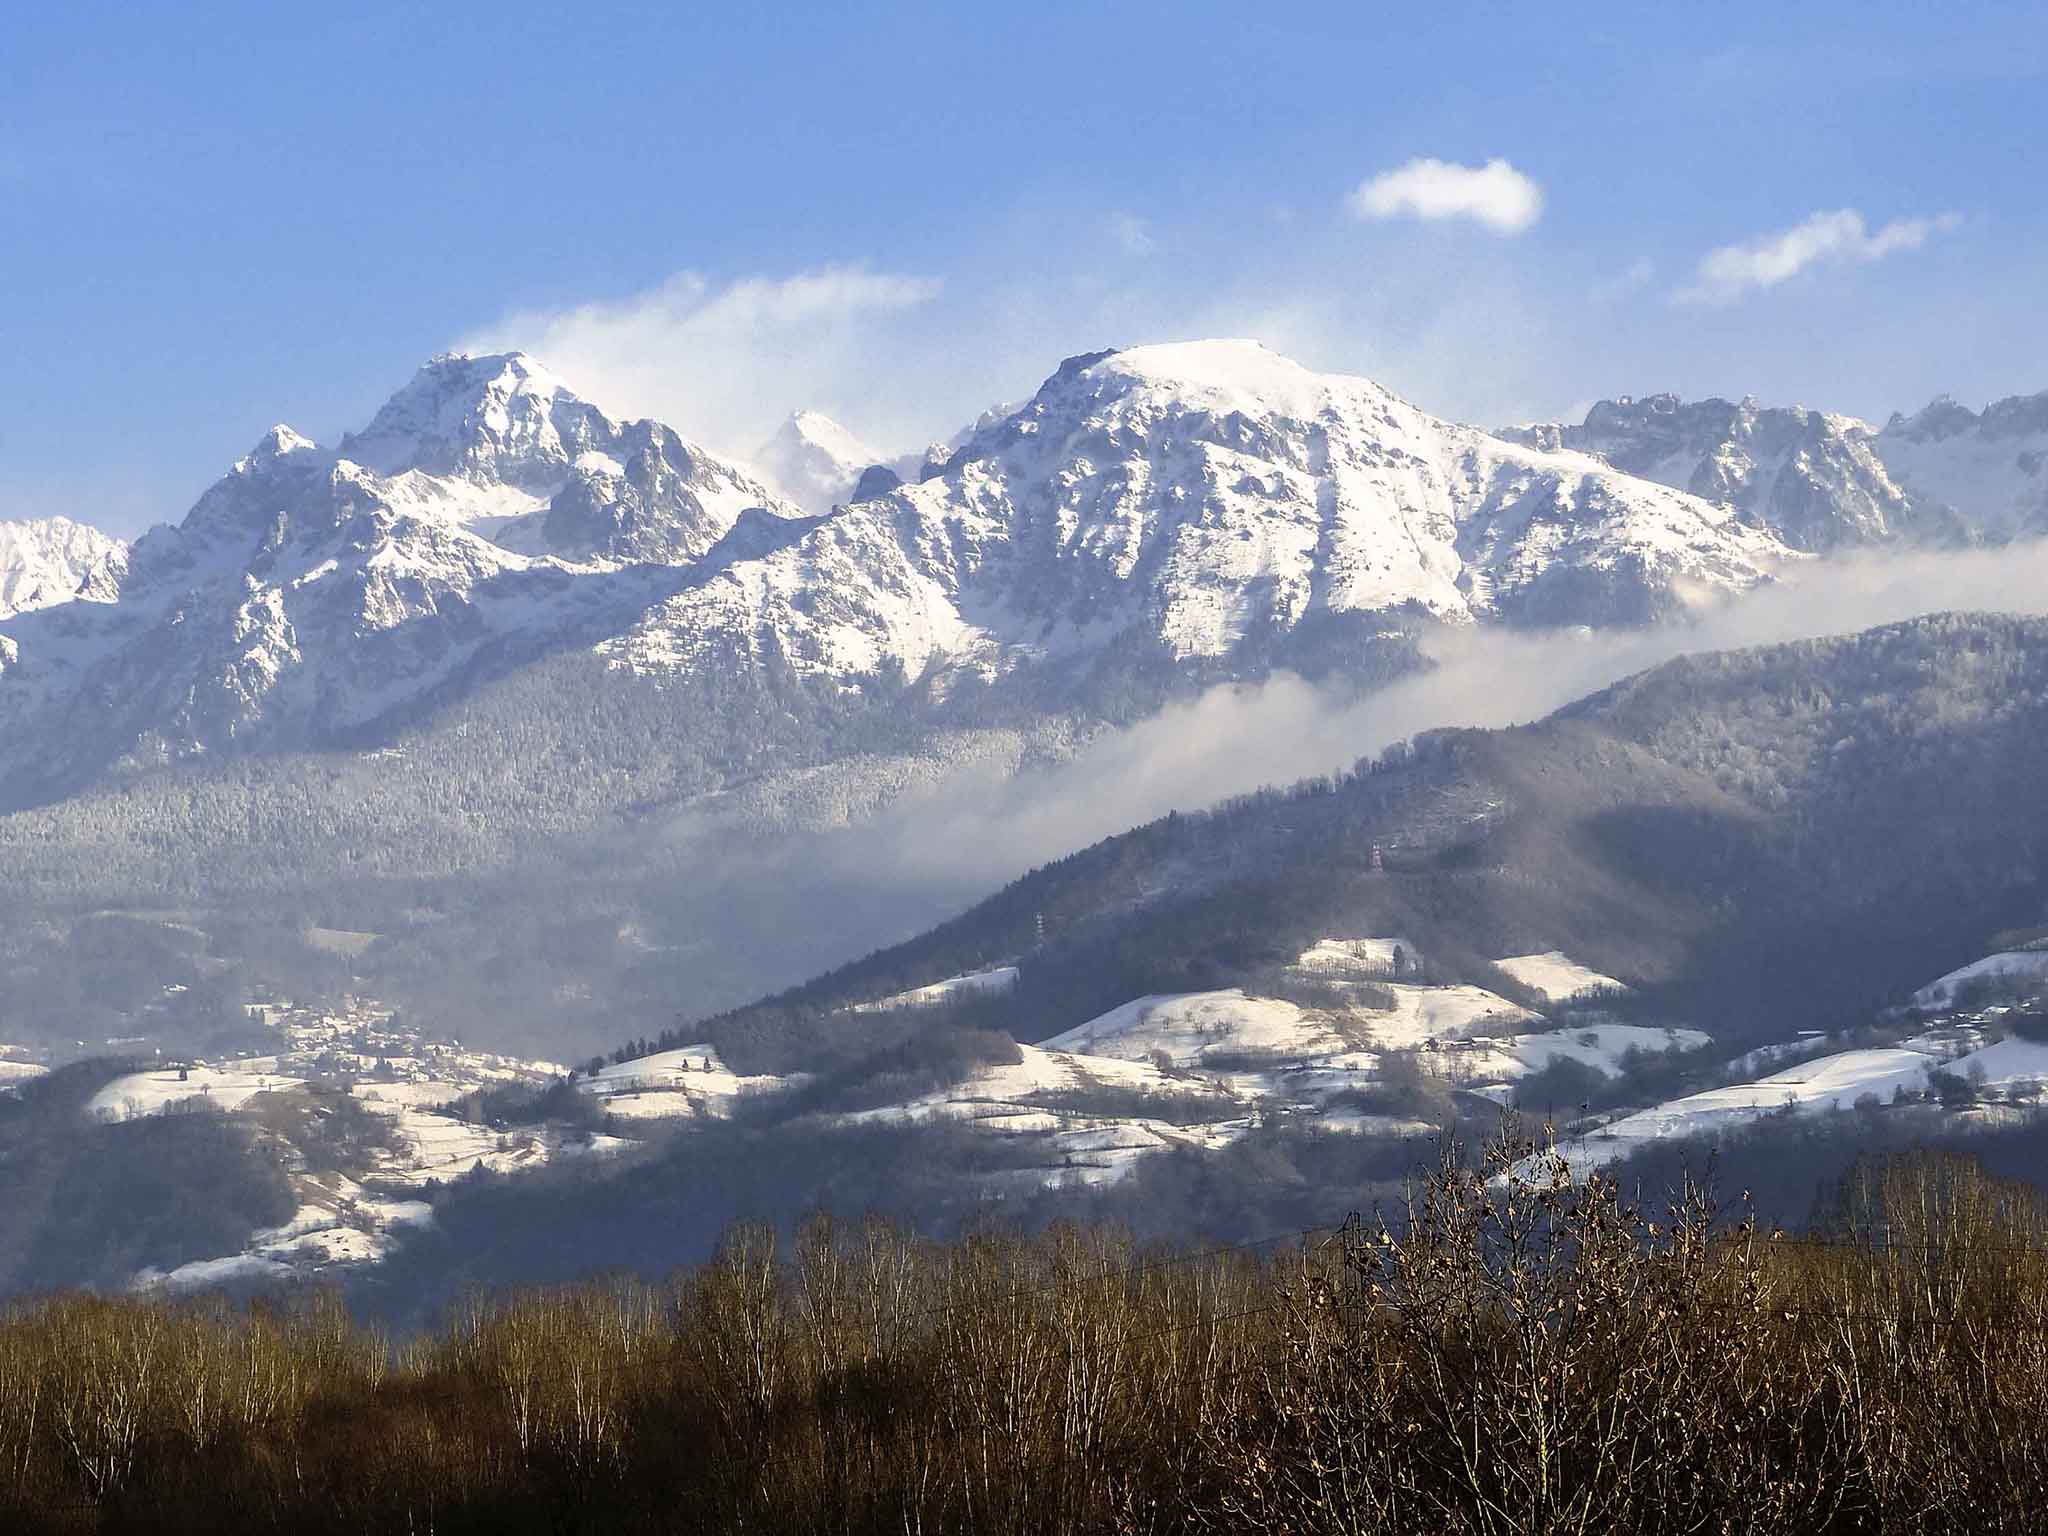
[1823, 481]
[1196, 501]
[1183, 499]
[532, 691]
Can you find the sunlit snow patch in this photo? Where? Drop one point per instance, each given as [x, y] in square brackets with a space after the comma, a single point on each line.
[2021, 965]
[998, 979]
[1828, 1082]
[1554, 974]
[149, 1093]
[689, 1081]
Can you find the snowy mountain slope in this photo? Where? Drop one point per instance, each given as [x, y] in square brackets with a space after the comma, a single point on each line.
[814, 461]
[1200, 502]
[1186, 1070]
[1822, 481]
[500, 446]
[13, 1070]
[1197, 497]
[1742, 838]
[1991, 468]
[2008, 968]
[1869, 1078]
[1208, 491]
[1814, 479]
[485, 515]
[51, 560]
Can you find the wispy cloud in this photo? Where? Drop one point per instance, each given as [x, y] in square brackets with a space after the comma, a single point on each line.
[984, 825]
[1132, 233]
[723, 363]
[1828, 238]
[1495, 194]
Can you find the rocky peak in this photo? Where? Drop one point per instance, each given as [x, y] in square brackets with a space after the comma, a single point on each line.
[501, 418]
[276, 445]
[1809, 477]
[1941, 417]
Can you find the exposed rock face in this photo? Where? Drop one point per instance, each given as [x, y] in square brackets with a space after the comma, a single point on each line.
[1813, 479]
[1819, 481]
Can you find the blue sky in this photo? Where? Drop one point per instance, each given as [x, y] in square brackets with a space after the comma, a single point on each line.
[217, 217]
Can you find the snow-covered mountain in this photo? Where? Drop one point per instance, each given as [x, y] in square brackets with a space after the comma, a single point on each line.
[1202, 495]
[1812, 478]
[485, 514]
[1188, 499]
[814, 461]
[50, 560]
[1991, 468]
[1822, 481]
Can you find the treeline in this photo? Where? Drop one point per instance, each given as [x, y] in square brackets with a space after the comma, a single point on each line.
[1509, 1351]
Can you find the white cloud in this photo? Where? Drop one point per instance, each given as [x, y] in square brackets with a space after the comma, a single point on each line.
[1728, 271]
[1132, 233]
[983, 826]
[723, 364]
[1496, 194]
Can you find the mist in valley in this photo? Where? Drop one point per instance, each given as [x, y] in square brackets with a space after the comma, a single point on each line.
[787, 907]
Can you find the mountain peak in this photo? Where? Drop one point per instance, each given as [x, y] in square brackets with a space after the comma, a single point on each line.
[1941, 417]
[1220, 377]
[1240, 371]
[814, 460]
[280, 442]
[495, 416]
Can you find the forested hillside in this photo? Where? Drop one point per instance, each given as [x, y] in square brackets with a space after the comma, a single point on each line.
[1769, 839]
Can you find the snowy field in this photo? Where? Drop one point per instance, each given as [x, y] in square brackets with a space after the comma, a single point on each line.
[1077, 1146]
[1358, 959]
[1828, 1082]
[151, 1093]
[2023, 965]
[1554, 974]
[684, 1083]
[1187, 1027]
[1423, 1014]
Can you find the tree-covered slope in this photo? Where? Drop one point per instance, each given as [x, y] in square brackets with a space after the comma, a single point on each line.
[1794, 832]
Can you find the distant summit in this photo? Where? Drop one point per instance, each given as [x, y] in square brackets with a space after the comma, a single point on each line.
[1820, 481]
[52, 560]
[814, 461]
